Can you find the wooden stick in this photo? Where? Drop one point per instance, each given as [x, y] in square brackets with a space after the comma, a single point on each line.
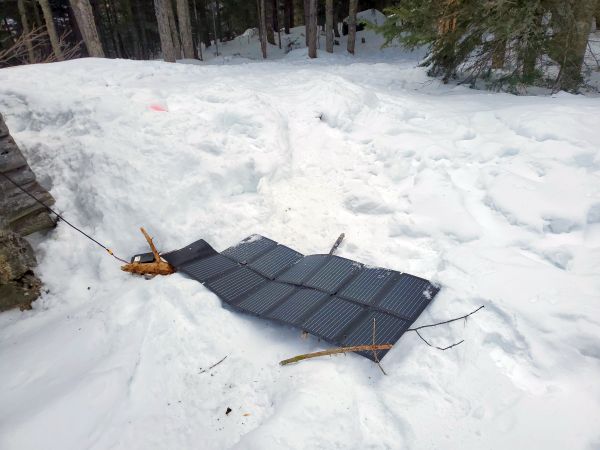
[151, 244]
[337, 243]
[356, 348]
[156, 267]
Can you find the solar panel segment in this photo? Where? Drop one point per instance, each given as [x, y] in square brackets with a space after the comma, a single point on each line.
[204, 269]
[235, 284]
[250, 248]
[366, 285]
[297, 307]
[302, 269]
[407, 297]
[333, 274]
[266, 297]
[275, 261]
[332, 318]
[388, 330]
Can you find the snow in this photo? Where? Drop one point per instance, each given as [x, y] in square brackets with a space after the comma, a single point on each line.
[494, 196]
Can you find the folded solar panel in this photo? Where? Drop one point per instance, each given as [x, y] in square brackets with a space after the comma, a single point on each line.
[336, 299]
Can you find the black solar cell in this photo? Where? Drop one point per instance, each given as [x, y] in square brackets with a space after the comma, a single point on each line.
[275, 261]
[302, 269]
[332, 318]
[333, 274]
[204, 269]
[366, 285]
[407, 297]
[235, 284]
[294, 309]
[266, 297]
[387, 331]
[250, 248]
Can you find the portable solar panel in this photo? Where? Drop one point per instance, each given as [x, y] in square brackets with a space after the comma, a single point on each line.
[336, 299]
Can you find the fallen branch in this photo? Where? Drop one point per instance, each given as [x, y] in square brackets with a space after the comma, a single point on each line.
[435, 346]
[356, 348]
[214, 365]
[375, 347]
[446, 321]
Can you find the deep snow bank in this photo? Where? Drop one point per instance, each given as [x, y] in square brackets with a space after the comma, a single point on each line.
[497, 197]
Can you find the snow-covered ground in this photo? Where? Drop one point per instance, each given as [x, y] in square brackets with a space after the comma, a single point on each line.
[496, 197]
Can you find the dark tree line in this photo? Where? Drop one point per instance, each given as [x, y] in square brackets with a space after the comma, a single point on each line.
[53, 30]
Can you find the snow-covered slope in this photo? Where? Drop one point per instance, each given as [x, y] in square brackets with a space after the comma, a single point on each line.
[496, 197]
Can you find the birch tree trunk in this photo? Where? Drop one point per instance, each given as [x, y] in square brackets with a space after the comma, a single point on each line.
[164, 30]
[26, 30]
[185, 28]
[87, 26]
[352, 25]
[47, 12]
[311, 29]
[262, 28]
[329, 26]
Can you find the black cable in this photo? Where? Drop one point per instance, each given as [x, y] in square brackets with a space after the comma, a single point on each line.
[110, 252]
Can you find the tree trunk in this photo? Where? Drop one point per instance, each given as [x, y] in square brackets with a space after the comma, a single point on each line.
[36, 16]
[198, 41]
[173, 28]
[54, 41]
[140, 19]
[574, 40]
[262, 27]
[132, 26]
[269, 21]
[219, 25]
[306, 5]
[164, 30]
[329, 26]
[114, 34]
[25, 29]
[311, 29]
[352, 25]
[336, 19]
[288, 15]
[185, 28]
[499, 54]
[276, 26]
[87, 26]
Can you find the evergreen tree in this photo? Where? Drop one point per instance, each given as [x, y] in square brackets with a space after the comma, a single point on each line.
[469, 38]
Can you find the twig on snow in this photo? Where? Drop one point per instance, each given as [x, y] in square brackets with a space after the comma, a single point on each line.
[214, 365]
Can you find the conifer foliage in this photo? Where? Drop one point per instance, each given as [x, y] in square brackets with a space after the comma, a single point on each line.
[506, 42]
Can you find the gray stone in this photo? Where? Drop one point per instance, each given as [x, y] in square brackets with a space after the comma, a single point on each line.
[18, 285]
[18, 211]
[11, 157]
[3, 127]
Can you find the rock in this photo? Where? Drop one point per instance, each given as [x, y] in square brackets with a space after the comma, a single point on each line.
[18, 285]
[18, 211]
